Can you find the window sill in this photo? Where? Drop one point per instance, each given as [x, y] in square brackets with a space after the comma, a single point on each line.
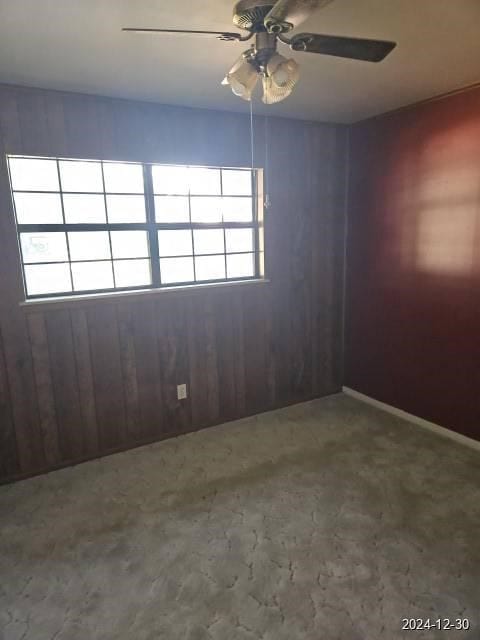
[127, 296]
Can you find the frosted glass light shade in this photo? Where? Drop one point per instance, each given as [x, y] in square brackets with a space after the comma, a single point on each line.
[242, 78]
[282, 76]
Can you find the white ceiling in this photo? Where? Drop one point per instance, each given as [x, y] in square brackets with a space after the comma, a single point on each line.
[77, 45]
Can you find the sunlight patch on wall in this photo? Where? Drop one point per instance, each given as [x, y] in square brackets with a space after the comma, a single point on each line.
[446, 239]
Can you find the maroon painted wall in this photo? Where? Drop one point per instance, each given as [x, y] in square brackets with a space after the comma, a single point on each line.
[413, 274]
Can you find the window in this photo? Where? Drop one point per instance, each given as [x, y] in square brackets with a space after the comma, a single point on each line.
[88, 226]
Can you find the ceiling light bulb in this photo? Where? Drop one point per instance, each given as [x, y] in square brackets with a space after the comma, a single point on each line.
[282, 76]
[242, 78]
[282, 71]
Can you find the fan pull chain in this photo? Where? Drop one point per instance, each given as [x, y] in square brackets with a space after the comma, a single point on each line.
[267, 167]
[251, 135]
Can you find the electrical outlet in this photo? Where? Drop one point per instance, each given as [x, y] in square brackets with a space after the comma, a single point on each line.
[181, 391]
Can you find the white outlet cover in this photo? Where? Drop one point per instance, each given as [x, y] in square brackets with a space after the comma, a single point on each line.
[181, 391]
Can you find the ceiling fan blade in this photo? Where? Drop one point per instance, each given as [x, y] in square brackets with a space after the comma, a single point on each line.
[221, 35]
[291, 13]
[354, 48]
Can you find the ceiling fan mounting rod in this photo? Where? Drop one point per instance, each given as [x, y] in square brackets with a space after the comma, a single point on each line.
[264, 40]
[265, 47]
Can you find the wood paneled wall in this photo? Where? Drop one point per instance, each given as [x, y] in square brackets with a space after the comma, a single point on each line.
[88, 377]
[413, 303]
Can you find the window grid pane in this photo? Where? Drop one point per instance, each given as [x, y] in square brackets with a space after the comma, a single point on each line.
[209, 268]
[91, 276]
[125, 209]
[84, 208]
[80, 176]
[44, 279]
[123, 178]
[129, 244]
[38, 208]
[131, 273]
[175, 242]
[44, 247]
[95, 224]
[208, 241]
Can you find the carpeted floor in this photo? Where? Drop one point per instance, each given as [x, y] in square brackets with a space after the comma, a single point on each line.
[324, 521]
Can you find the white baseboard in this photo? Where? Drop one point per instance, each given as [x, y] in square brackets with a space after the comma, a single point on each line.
[425, 424]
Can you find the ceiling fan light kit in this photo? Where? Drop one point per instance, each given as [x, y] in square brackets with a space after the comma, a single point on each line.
[269, 23]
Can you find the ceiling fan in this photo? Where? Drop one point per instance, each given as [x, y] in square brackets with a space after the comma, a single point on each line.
[270, 22]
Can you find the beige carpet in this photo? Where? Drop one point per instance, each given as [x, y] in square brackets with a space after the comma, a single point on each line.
[328, 520]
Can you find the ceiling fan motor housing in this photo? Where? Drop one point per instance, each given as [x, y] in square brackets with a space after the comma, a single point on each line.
[250, 14]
